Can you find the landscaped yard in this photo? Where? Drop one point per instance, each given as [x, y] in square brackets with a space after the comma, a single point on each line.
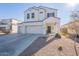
[28, 45]
[49, 47]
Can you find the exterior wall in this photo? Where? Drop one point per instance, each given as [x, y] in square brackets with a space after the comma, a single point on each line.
[53, 28]
[39, 27]
[32, 28]
[57, 25]
[72, 27]
[14, 29]
[21, 28]
[41, 14]
[74, 15]
[9, 25]
[6, 27]
[14, 26]
[51, 11]
[34, 23]
[54, 23]
[31, 11]
[38, 14]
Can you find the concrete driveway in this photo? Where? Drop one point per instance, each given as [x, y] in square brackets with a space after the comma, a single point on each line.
[14, 44]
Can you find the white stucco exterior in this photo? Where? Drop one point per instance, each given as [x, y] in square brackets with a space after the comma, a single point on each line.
[39, 24]
[9, 25]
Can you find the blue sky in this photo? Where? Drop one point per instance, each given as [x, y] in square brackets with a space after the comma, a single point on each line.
[13, 10]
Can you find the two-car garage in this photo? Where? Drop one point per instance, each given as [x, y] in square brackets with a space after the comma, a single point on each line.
[31, 28]
[39, 27]
[34, 29]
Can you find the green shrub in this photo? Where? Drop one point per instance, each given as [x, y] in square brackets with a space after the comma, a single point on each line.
[60, 48]
[57, 36]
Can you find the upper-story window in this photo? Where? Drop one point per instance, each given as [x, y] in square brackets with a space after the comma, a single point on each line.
[28, 16]
[53, 14]
[41, 12]
[50, 14]
[32, 15]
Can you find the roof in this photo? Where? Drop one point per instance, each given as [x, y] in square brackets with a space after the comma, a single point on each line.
[70, 23]
[37, 21]
[10, 19]
[39, 7]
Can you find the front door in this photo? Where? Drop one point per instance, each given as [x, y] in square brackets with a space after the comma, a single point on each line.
[48, 29]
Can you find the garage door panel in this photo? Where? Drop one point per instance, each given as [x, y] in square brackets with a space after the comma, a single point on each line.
[34, 29]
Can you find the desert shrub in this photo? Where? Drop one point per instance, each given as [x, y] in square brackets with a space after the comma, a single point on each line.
[64, 31]
[60, 48]
[57, 35]
[77, 36]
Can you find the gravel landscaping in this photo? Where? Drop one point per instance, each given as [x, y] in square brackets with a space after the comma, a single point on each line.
[49, 47]
[37, 45]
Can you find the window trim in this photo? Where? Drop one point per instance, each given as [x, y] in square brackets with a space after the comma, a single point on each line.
[28, 16]
[48, 15]
[41, 12]
[32, 15]
[51, 14]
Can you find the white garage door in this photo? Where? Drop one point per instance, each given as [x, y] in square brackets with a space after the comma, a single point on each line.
[19, 29]
[34, 29]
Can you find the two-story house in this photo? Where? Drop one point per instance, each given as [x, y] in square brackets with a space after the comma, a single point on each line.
[40, 20]
[9, 25]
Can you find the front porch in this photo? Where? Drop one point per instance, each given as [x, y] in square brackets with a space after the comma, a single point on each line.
[50, 26]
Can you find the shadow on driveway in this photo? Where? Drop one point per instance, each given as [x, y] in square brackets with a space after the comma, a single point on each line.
[36, 46]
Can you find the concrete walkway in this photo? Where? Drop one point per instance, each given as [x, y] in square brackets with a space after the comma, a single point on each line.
[14, 44]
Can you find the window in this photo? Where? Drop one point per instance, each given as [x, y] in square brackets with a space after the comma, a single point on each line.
[50, 14]
[53, 14]
[33, 15]
[41, 12]
[3, 23]
[28, 16]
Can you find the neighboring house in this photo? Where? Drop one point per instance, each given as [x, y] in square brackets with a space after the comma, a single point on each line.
[9, 25]
[74, 15]
[40, 20]
[73, 26]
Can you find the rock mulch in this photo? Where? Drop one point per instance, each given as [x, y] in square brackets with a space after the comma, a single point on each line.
[49, 47]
